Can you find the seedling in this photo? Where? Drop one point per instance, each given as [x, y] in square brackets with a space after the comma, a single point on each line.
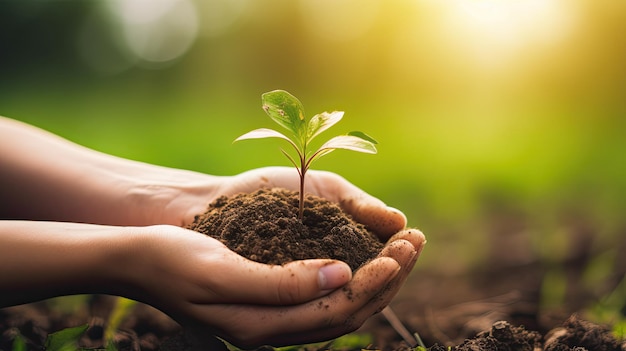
[286, 110]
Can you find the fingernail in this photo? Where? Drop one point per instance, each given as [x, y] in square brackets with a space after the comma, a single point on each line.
[334, 275]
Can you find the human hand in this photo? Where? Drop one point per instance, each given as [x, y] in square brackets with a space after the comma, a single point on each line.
[190, 276]
[369, 291]
[206, 287]
[403, 246]
[170, 265]
[375, 284]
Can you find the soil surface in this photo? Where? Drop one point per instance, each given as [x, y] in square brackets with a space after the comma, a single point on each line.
[574, 335]
[496, 305]
[149, 330]
[264, 227]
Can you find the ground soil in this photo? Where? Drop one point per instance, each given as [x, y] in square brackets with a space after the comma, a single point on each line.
[495, 306]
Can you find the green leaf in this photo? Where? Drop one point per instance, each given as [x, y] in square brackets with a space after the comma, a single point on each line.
[350, 142]
[321, 122]
[363, 136]
[262, 133]
[286, 110]
[65, 339]
[266, 133]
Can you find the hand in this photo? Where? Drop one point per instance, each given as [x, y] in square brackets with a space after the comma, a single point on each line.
[371, 289]
[192, 277]
[328, 317]
[206, 287]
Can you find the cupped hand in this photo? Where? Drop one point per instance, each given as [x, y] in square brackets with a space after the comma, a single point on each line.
[187, 267]
[309, 317]
[207, 287]
[340, 312]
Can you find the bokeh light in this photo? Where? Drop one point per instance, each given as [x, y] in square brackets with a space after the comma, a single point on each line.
[157, 32]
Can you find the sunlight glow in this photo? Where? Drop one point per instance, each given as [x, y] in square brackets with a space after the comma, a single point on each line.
[496, 30]
[512, 19]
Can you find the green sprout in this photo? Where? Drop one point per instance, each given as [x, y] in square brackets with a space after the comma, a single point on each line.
[286, 110]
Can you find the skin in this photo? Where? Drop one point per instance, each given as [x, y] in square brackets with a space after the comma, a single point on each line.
[77, 221]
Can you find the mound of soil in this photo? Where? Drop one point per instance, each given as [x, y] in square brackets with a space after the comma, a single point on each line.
[577, 334]
[264, 227]
[574, 335]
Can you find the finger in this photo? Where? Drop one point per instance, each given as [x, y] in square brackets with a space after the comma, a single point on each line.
[382, 220]
[343, 324]
[412, 235]
[405, 247]
[292, 283]
[403, 252]
[329, 316]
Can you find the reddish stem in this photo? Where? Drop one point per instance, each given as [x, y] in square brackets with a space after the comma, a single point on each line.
[301, 201]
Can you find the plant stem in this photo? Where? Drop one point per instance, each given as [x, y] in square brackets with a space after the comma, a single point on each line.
[304, 166]
[301, 200]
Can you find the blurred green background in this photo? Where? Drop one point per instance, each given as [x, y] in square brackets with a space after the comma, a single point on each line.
[487, 112]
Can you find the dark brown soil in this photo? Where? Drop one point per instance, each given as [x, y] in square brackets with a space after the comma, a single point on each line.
[579, 333]
[574, 335]
[503, 336]
[150, 330]
[264, 227]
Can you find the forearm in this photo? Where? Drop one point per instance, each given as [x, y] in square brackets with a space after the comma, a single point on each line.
[45, 177]
[39, 260]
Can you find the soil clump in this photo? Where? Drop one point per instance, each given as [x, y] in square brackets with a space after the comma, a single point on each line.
[264, 227]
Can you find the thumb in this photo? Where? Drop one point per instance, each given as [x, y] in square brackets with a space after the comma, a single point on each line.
[293, 283]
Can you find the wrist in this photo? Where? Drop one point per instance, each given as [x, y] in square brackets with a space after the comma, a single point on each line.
[71, 258]
[137, 265]
[145, 194]
[117, 260]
